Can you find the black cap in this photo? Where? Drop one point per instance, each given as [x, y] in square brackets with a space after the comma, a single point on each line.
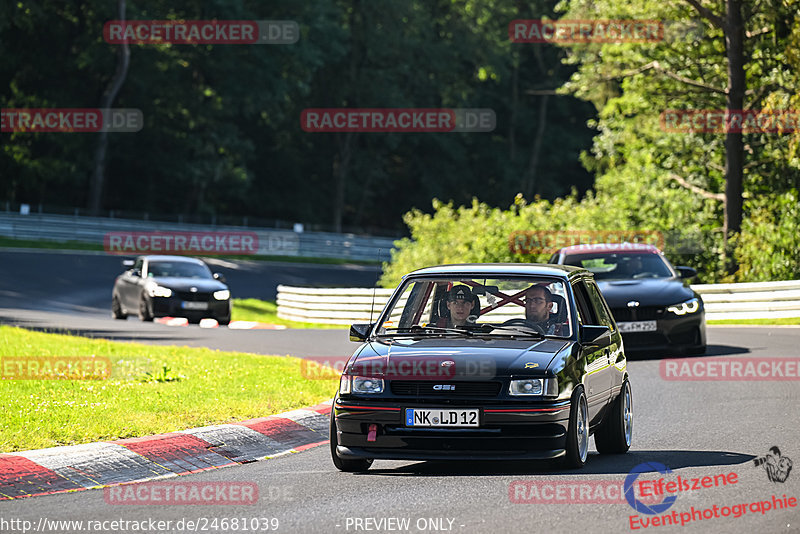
[461, 293]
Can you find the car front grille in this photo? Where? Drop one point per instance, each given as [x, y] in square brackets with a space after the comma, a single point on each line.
[424, 388]
[647, 313]
[193, 297]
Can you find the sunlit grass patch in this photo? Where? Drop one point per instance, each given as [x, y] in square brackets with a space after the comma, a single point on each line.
[151, 389]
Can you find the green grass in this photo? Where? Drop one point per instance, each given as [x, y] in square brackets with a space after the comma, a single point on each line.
[779, 321]
[266, 311]
[152, 389]
[8, 242]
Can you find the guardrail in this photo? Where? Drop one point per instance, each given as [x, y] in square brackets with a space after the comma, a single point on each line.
[272, 242]
[755, 300]
[760, 300]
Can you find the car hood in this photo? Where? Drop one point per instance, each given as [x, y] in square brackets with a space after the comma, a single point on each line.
[185, 284]
[648, 292]
[473, 358]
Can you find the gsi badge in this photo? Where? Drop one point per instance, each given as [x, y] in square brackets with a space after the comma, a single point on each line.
[444, 387]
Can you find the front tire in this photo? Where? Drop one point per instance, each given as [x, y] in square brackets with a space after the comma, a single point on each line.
[345, 464]
[144, 310]
[577, 432]
[615, 433]
[116, 309]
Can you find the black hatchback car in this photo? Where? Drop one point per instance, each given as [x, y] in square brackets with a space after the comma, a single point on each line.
[654, 308]
[162, 286]
[485, 361]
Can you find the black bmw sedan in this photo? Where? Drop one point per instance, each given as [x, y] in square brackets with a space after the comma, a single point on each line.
[485, 361]
[163, 286]
[654, 309]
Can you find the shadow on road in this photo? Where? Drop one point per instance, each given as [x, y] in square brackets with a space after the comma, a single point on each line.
[595, 465]
[711, 350]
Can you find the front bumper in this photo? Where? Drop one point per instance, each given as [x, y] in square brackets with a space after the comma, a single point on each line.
[174, 307]
[521, 431]
[673, 334]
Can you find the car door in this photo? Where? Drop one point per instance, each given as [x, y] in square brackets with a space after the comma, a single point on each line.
[597, 379]
[129, 288]
[606, 318]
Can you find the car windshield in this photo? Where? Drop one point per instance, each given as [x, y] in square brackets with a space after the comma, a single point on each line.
[618, 266]
[177, 269]
[513, 306]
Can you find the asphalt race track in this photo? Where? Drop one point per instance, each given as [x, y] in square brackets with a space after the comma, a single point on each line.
[696, 428]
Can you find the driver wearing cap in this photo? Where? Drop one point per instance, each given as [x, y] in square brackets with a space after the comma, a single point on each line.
[460, 301]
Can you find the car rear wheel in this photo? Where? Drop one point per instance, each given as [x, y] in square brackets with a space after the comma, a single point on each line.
[224, 321]
[343, 464]
[116, 309]
[578, 432]
[615, 433]
[145, 314]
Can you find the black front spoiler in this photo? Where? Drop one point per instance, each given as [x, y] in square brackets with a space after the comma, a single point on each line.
[389, 454]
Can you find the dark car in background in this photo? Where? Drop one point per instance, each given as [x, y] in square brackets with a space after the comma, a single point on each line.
[170, 286]
[535, 369]
[655, 309]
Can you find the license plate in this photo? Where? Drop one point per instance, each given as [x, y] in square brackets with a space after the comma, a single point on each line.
[442, 417]
[637, 326]
[195, 305]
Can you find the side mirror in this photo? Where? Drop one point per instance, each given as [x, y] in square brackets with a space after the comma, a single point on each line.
[595, 335]
[359, 332]
[127, 263]
[686, 272]
[220, 277]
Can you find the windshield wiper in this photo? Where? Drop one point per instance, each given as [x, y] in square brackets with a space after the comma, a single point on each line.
[519, 329]
[421, 330]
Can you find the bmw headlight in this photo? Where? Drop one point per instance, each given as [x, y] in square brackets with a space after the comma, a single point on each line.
[223, 294]
[366, 384]
[541, 387]
[159, 291]
[690, 306]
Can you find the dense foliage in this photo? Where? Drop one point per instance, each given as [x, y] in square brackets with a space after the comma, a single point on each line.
[647, 178]
[222, 129]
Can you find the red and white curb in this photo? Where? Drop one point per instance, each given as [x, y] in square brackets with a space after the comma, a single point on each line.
[95, 465]
[212, 323]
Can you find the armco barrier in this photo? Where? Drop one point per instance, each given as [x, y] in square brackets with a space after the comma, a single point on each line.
[271, 242]
[760, 300]
[755, 300]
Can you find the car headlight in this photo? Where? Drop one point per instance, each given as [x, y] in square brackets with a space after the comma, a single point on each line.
[540, 387]
[159, 291]
[690, 306]
[366, 384]
[223, 294]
